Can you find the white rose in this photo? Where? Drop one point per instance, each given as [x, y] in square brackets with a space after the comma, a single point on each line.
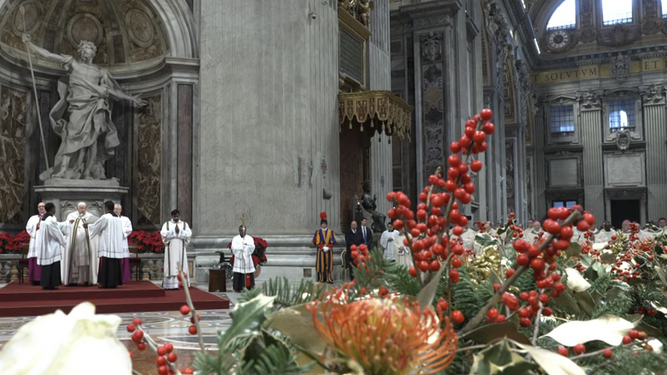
[80, 343]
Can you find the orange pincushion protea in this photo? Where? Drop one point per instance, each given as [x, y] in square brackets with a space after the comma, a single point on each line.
[386, 335]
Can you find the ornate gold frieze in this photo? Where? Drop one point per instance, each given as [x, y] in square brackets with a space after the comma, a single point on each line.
[372, 111]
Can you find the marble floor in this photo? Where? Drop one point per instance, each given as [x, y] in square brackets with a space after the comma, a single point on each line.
[163, 326]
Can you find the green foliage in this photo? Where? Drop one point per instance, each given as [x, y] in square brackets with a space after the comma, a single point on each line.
[371, 275]
[288, 294]
[246, 345]
[400, 280]
[468, 296]
[625, 361]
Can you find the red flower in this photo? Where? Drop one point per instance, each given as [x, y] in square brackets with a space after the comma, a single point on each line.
[147, 242]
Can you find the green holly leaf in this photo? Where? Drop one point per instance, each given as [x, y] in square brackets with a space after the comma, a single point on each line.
[492, 332]
[567, 300]
[485, 240]
[498, 359]
[585, 301]
[574, 250]
[247, 319]
[296, 323]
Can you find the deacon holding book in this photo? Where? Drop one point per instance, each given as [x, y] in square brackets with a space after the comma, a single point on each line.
[52, 239]
[175, 235]
[244, 269]
[109, 229]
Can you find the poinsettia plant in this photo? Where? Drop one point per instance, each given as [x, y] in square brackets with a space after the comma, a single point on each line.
[13, 244]
[147, 242]
[259, 255]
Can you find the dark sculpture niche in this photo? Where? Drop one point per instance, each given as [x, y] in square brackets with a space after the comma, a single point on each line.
[367, 208]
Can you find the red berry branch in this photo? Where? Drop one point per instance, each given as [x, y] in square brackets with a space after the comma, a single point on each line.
[190, 308]
[536, 257]
[424, 235]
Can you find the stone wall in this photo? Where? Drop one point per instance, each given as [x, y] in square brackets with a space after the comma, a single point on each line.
[269, 131]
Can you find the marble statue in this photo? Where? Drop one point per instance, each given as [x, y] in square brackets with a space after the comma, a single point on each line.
[82, 116]
[369, 206]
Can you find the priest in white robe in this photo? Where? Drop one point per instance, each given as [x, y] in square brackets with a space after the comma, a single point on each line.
[244, 269]
[403, 254]
[127, 230]
[109, 229]
[387, 241]
[51, 242]
[534, 233]
[175, 235]
[79, 259]
[32, 227]
[604, 234]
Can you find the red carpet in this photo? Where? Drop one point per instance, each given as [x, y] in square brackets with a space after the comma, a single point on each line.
[137, 296]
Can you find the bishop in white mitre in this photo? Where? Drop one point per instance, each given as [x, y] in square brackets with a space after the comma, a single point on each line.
[51, 242]
[109, 229]
[32, 228]
[79, 259]
[175, 235]
[127, 230]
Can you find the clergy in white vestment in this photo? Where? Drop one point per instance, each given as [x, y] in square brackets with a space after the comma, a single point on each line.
[127, 230]
[387, 241]
[534, 233]
[244, 269]
[32, 227]
[604, 235]
[79, 260]
[109, 229]
[175, 235]
[51, 242]
[403, 254]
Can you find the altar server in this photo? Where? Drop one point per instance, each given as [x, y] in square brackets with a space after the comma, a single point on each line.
[32, 227]
[244, 268]
[109, 229]
[127, 230]
[51, 241]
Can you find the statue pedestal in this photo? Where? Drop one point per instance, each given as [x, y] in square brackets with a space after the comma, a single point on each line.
[66, 194]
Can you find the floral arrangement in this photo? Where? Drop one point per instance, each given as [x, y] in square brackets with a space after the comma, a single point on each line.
[555, 306]
[147, 242]
[13, 244]
[258, 256]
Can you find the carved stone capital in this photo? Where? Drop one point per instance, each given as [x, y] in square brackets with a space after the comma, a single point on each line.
[589, 101]
[653, 95]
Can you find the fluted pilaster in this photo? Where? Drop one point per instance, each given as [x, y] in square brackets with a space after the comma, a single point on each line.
[590, 123]
[656, 151]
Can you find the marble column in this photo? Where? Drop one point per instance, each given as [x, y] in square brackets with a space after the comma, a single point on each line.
[590, 123]
[656, 150]
[379, 62]
[269, 135]
[540, 166]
